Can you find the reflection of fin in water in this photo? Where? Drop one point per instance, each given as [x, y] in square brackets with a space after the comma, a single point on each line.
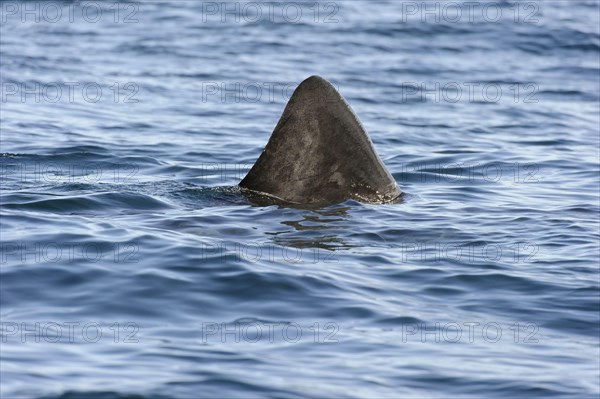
[316, 229]
[322, 219]
[328, 243]
[319, 153]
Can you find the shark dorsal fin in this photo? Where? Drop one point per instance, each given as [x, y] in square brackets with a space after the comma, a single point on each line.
[319, 153]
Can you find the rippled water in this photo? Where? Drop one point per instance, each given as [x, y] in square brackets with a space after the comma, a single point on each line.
[132, 265]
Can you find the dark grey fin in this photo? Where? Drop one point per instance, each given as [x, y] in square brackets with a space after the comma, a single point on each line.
[319, 153]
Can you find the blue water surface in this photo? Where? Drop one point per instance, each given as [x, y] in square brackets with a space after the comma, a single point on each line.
[132, 266]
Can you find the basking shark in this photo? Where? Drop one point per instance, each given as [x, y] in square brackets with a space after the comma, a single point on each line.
[319, 153]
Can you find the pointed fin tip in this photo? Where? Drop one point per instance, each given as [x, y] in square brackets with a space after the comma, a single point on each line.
[315, 78]
[315, 81]
[318, 91]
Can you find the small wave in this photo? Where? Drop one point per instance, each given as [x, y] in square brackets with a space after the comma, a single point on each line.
[94, 203]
